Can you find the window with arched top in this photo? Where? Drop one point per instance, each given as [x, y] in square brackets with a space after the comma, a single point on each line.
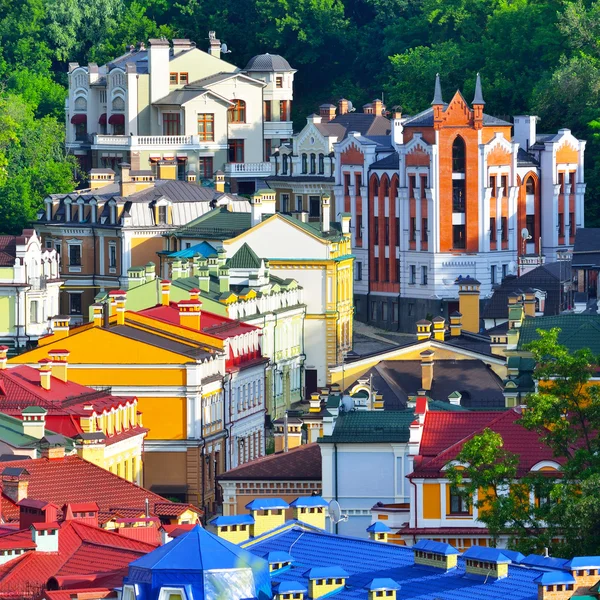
[530, 186]
[385, 183]
[305, 163]
[458, 155]
[321, 164]
[80, 103]
[284, 164]
[313, 164]
[118, 104]
[237, 112]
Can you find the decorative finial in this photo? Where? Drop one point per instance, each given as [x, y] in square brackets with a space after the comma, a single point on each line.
[437, 94]
[478, 98]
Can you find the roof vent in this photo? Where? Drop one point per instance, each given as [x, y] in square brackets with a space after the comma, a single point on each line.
[436, 555]
[486, 562]
[278, 561]
[325, 581]
[382, 588]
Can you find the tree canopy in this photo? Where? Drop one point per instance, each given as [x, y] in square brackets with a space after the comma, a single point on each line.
[536, 56]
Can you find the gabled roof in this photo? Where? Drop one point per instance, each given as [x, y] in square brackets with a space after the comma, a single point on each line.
[245, 258]
[425, 119]
[218, 224]
[203, 248]
[298, 464]
[586, 251]
[359, 427]
[7, 250]
[391, 161]
[72, 479]
[524, 159]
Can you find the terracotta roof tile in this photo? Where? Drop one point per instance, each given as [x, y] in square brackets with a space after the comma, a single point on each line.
[302, 463]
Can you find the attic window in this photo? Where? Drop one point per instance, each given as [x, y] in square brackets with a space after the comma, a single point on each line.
[173, 78]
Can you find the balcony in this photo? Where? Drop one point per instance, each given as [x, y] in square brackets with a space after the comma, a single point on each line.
[151, 142]
[244, 169]
[37, 283]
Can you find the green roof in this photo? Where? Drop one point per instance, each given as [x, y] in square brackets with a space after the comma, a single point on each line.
[34, 410]
[370, 426]
[245, 258]
[447, 406]
[334, 234]
[11, 432]
[217, 224]
[577, 331]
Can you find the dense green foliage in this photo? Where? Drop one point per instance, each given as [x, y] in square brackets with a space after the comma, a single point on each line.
[539, 56]
[565, 412]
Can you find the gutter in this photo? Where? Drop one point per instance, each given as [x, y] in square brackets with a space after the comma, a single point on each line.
[335, 462]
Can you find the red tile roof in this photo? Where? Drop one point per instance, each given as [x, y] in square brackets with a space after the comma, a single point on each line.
[17, 540]
[72, 479]
[7, 250]
[82, 550]
[79, 594]
[299, 464]
[211, 324]
[518, 440]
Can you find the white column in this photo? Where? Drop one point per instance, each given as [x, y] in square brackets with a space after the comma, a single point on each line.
[485, 245]
[566, 196]
[499, 217]
[418, 234]
[512, 219]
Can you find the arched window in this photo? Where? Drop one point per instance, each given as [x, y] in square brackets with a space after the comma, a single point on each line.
[530, 186]
[321, 164]
[304, 164]
[313, 164]
[458, 155]
[80, 104]
[237, 112]
[118, 104]
[385, 184]
[284, 164]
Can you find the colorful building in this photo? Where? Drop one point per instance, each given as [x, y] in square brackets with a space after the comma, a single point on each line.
[174, 108]
[104, 429]
[318, 257]
[101, 232]
[244, 290]
[455, 194]
[30, 279]
[186, 368]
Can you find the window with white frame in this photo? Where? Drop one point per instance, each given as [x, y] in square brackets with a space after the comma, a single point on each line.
[74, 255]
[112, 255]
[412, 274]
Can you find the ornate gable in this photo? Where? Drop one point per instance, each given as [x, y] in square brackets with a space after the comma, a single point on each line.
[352, 156]
[457, 112]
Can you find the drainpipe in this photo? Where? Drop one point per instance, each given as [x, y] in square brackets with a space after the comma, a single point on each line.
[415, 503]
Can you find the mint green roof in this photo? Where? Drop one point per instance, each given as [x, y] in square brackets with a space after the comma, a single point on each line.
[245, 258]
[369, 426]
[218, 224]
[11, 432]
[577, 331]
[35, 410]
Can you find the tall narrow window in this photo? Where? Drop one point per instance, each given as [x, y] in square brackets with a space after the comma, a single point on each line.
[171, 124]
[321, 164]
[284, 110]
[279, 81]
[424, 236]
[267, 110]
[492, 229]
[112, 256]
[237, 112]
[205, 167]
[413, 229]
[268, 146]
[359, 226]
[206, 127]
[411, 186]
[313, 164]
[284, 164]
[458, 196]
[458, 155]
[530, 225]
[458, 237]
[236, 151]
[504, 226]
[530, 186]
[387, 231]
[305, 163]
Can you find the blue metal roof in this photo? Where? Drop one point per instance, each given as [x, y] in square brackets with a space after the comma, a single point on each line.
[203, 248]
[547, 562]
[291, 587]
[267, 504]
[233, 520]
[515, 557]
[326, 572]
[435, 547]
[554, 578]
[309, 501]
[382, 583]
[487, 554]
[203, 562]
[378, 527]
[365, 560]
[583, 562]
[277, 557]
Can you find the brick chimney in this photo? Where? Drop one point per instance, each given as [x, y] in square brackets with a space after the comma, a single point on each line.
[529, 303]
[427, 369]
[378, 107]
[3, 357]
[165, 292]
[15, 482]
[342, 106]
[45, 373]
[60, 364]
[327, 112]
[190, 313]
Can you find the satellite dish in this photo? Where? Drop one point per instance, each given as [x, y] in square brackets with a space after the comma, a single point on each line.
[350, 106]
[224, 49]
[525, 234]
[335, 512]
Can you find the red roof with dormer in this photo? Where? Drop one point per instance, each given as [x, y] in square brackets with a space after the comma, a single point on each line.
[72, 480]
[85, 554]
[445, 434]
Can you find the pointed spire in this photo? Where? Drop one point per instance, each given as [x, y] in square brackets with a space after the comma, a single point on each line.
[478, 98]
[437, 94]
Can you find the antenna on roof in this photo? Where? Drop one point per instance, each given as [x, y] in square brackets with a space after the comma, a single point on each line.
[224, 49]
[351, 107]
[335, 513]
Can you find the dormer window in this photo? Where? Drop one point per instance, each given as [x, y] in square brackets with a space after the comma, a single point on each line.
[162, 215]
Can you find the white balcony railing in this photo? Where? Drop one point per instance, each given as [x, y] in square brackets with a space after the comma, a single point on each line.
[283, 128]
[165, 141]
[241, 169]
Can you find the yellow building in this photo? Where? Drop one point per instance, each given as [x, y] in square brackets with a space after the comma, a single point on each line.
[317, 255]
[164, 357]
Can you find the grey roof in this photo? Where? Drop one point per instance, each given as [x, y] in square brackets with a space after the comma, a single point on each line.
[139, 58]
[437, 93]
[301, 178]
[331, 129]
[175, 191]
[391, 161]
[524, 159]
[586, 252]
[268, 63]
[425, 119]
[179, 97]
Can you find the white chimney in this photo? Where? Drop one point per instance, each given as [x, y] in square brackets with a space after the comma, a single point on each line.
[257, 209]
[525, 130]
[45, 536]
[325, 214]
[215, 45]
[158, 66]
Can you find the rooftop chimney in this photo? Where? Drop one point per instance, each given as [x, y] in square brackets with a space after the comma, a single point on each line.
[15, 482]
[215, 45]
[3, 357]
[165, 292]
[190, 312]
[256, 214]
[158, 66]
[529, 302]
[325, 214]
[468, 302]
[45, 536]
[34, 421]
[45, 372]
[98, 314]
[439, 331]
[455, 324]
[423, 330]
[181, 45]
[342, 106]
[220, 182]
[427, 369]
[327, 112]
[120, 301]
[378, 107]
[60, 326]
[60, 363]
